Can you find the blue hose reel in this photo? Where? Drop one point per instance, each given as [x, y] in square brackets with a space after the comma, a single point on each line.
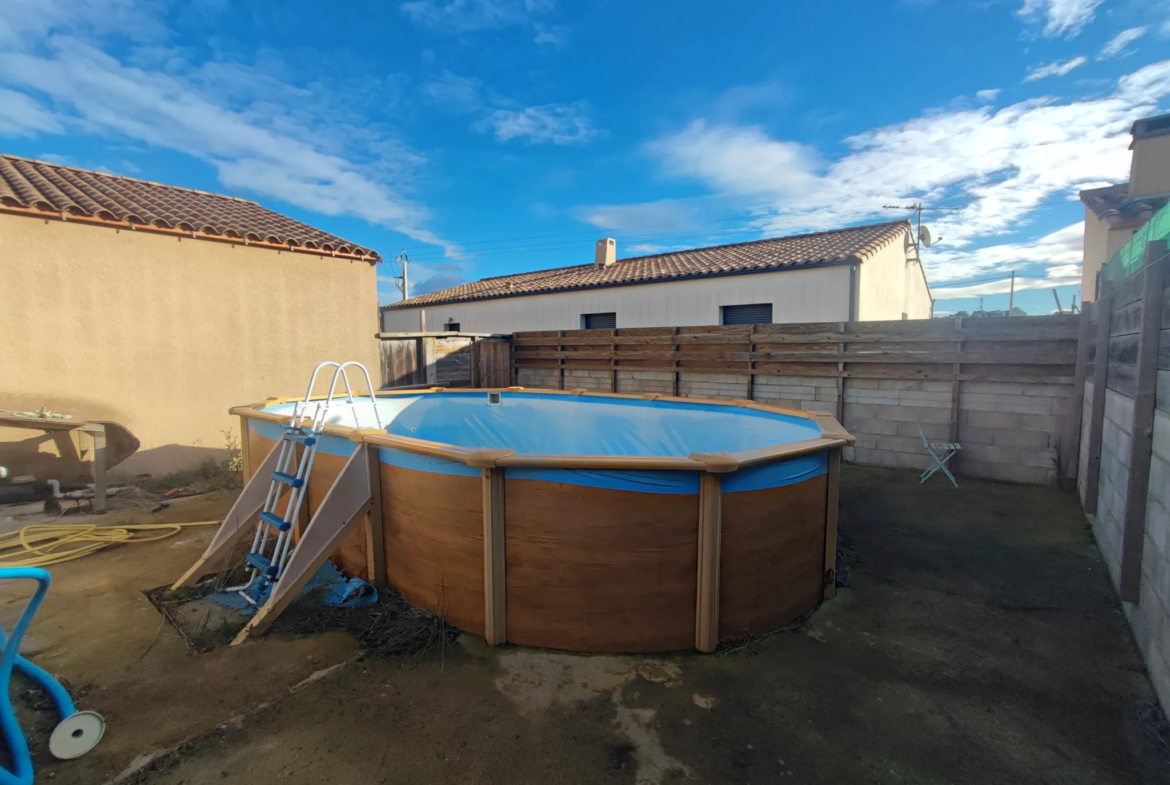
[77, 733]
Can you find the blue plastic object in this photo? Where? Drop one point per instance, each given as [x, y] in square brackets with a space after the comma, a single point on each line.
[288, 479]
[275, 521]
[13, 735]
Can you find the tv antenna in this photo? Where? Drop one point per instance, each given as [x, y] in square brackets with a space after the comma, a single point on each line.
[921, 233]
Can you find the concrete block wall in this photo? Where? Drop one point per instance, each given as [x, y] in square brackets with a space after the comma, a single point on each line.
[643, 382]
[720, 386]
[1150, 617]
[1011, 431]
[1083, 456]
[810, 393]
[885, 415]
[1116, 444]
[542, 378]
[594, 380]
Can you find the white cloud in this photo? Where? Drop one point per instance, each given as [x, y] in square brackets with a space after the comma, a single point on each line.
[22, 116]
[737, 159]
[1054, 69]
[1061, 17]
[553, 35]
[988, 95]
[561, 124]
[25, 23]
[437, 283]
[1118, 43]
[460, 93]
[666, 212]
[463, 16]
[1059, 252]
[1000, 165]
[312, 160]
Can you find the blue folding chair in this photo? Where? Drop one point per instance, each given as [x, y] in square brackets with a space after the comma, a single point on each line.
[941, 452]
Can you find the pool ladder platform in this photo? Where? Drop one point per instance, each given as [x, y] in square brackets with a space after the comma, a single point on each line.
[278, 567]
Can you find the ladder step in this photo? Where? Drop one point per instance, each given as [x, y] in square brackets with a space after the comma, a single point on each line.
[261, 563]
[288, 479]
[275, 521]
[300, 437]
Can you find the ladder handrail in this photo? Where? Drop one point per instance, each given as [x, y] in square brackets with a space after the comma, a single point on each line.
[299, 468]
[369, 389]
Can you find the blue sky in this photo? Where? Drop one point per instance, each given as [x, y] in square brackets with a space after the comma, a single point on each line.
[494, 136]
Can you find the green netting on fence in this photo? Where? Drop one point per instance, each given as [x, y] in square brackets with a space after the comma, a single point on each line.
[1132, 256]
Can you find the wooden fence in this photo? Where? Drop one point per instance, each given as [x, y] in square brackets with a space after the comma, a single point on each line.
[442, 358]
[978, 378]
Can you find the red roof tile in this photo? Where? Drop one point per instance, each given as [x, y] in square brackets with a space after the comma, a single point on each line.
[782, 253]
[44, 186]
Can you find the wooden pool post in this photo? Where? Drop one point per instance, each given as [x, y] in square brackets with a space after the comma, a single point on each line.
[495, 587]
[831, 495]
[710, 533]
[710, 537]
[375, 526]
[495, 611]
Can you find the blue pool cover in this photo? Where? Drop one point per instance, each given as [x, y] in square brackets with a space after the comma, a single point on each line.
[557, 424]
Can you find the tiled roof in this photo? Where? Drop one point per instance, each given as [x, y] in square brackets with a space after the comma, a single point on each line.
[781, 253]
[40, 186]
[1113, 205]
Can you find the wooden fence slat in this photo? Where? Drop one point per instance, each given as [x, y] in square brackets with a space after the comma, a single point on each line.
[1142, 443]
[1070, 443]
[1103, 307]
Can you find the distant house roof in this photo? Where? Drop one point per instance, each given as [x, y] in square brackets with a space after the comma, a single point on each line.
[1113, 205]
[39, 187]
[782, 253]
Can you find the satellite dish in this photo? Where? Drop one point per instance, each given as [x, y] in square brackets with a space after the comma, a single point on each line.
[924, 236]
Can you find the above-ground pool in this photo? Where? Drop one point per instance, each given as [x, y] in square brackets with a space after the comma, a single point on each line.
[587, 521]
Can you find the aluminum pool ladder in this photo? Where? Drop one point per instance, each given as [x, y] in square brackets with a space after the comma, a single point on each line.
[272, 541]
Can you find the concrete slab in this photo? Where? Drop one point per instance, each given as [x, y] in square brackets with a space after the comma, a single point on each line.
[979, 641]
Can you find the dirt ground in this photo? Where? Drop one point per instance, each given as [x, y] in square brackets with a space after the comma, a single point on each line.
[979, 641]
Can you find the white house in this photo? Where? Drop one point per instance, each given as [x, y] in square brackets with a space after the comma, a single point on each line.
[862, 273]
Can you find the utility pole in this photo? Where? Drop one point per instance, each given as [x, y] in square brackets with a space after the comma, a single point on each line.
[1012, 294]
[403, 260]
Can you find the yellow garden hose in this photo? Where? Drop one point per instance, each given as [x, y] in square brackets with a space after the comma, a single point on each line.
[41, 545]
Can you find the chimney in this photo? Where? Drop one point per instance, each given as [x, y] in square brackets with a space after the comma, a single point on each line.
[605, 252]
[1150, 167]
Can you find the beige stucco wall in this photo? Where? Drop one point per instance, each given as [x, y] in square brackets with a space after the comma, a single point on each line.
[1096, 237]
[890, 286]
[1150, 166]
[817, 295]
[1101, 243]
[163, 334]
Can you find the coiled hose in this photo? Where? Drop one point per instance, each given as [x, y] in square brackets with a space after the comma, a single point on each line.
[46, 544]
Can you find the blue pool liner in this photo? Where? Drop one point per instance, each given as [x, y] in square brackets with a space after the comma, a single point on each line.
[554, 424]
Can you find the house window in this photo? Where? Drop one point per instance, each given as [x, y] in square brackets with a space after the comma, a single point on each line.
[451, 327]
[759, 313]
[599, 321]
